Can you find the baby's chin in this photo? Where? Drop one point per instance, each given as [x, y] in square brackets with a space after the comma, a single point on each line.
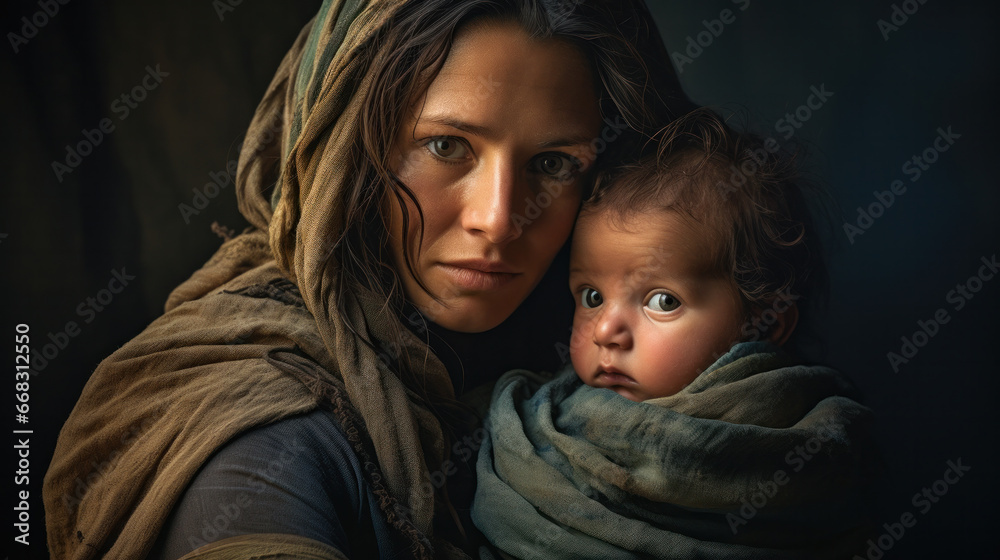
[635, 394]
[630, 394]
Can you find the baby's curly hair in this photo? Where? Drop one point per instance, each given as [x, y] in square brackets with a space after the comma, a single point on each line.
[741, 190]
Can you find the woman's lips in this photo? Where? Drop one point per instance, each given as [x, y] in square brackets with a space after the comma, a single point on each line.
[478, 275]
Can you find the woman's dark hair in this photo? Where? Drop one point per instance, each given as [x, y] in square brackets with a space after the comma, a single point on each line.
[618, 39]
[746, 194]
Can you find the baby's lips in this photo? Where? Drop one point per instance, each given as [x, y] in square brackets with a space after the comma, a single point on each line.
[608, 377]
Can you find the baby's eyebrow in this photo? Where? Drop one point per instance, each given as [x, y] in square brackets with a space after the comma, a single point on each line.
[652, 273]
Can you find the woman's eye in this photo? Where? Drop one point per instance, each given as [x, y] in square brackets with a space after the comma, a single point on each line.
[556, 165]
[663, 302]
[447, 148]
[590, 298]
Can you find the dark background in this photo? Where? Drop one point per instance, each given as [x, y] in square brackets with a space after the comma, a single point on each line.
[61, 240]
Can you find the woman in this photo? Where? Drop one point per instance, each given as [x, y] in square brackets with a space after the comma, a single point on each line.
[298, 398]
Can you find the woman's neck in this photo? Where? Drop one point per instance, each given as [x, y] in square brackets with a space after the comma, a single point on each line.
[535, 337]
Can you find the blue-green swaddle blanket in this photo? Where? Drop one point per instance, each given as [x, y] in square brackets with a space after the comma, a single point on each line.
[757, 458]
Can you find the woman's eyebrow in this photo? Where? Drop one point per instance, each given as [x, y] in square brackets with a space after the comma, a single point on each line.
[490, 134]
[576, 140]
[447, 120]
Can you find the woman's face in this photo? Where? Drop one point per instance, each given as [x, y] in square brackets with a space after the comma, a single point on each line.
[497, 153]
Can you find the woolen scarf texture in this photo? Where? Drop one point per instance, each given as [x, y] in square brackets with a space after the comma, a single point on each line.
[713, 472]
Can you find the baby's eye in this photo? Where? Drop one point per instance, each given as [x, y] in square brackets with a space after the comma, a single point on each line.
[447, 148]
[663, 302]
[590, 298]
[556, 165]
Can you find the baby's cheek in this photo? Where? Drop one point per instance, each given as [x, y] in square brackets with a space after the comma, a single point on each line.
[580, 344]
[674, 360]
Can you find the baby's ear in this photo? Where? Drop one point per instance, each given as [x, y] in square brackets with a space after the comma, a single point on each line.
[784, 325]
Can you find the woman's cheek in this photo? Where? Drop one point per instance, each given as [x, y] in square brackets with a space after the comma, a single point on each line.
[423, 173]
[556, 207]
[430, 185]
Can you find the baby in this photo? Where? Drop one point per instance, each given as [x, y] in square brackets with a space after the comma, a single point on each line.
[673, 259]
[687, 269]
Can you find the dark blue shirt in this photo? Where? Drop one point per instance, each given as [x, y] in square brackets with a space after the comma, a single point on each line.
[298, 476]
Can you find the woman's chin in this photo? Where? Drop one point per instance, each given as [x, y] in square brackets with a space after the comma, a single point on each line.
[467, 315]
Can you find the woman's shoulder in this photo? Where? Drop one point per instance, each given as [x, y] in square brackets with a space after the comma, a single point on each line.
[298, 476]
[304, 441]
[211, 368]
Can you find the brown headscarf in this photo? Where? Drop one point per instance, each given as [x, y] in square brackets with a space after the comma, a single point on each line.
[316, 98]
[229, 354]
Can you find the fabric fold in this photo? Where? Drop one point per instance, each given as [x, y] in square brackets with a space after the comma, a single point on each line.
[157, 408]
[266, 547]
[269, 303]
[757, 458]
[317, 93]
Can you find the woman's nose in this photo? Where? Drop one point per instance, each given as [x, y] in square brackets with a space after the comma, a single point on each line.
[490, 203]
[612, 328]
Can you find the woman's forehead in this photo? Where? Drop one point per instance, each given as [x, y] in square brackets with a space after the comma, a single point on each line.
[497, 75]
[507, 52]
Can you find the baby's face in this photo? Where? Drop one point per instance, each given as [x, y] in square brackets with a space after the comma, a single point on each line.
[651, 312]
